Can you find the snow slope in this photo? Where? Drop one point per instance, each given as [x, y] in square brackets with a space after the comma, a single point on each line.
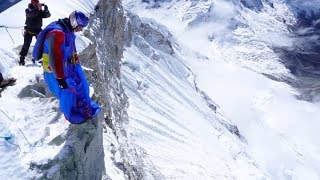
[227, 47]
[31, 122]
[222, 53]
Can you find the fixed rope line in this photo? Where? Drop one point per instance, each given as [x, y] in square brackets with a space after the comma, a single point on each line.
[10, 36]
[7, 138]
[34, 145]
[18, 128]
[10, 27]
[6, 27]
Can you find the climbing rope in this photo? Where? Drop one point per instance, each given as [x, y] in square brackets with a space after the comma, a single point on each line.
[38, 143]
[18, 128]
[7, 27]
[33, 146]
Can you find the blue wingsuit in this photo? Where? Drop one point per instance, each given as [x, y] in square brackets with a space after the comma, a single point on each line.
[56, 45]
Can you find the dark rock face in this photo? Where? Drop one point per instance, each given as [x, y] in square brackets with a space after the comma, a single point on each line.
[252, 4]
[155, 3]
[153, 36]
[303, 60]
[39, 89]
[307, 19]
[94, 76]
[109, 26]
[82, 156]
[111, 33]
[255, 5]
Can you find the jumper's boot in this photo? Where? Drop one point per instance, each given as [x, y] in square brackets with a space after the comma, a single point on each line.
[22, 62]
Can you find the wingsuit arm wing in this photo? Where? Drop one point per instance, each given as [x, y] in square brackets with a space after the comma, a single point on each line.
[55, 39]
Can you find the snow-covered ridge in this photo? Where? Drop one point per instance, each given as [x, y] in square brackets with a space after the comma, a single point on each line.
[166, 109]
[183, 94]
[261, 107]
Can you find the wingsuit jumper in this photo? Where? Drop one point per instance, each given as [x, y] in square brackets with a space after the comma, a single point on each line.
[34, 16]
[62, 70]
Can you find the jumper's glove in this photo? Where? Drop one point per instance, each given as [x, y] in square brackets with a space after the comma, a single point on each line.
[45, 8]
[62, 84]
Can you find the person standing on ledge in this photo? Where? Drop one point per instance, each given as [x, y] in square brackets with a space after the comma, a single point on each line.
[62, 70]
[34, 16]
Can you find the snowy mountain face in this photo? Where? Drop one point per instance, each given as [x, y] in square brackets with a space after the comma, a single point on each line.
[167, 109]
[6, 4]
[303, 58]
[149, 98]
[298, 22]
[256, 5]
[211, 37]
[201, 89]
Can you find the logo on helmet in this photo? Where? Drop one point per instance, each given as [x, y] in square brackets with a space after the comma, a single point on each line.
[78, 18]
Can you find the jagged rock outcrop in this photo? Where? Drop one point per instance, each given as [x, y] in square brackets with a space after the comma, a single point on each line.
[112, 32]
[82, 154]
[38, 89]
[110, 37]
[151, 37]
[108, 28]
[255, 5]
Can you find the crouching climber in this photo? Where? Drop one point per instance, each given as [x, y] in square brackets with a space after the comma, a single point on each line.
[62, 70]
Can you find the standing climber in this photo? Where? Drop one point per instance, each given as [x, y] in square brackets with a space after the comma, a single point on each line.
[34, 15]
[62, 70]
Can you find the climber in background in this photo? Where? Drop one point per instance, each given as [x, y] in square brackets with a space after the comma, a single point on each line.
[34, 16]
[62, 70]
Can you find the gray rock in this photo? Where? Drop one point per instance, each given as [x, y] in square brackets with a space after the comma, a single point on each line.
[82, 156]
[39, 89]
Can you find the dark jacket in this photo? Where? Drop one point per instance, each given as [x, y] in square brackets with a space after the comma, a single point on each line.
[34, 18]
